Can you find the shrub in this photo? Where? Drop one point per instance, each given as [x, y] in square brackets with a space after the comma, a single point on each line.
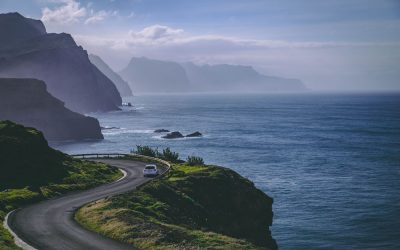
[169, 155]
[146, 151]
[194, 160]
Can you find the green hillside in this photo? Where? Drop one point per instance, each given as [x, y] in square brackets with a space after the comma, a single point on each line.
[32, 171]
[194, 207]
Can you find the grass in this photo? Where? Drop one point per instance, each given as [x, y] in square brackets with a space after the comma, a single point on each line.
[30, 171]
[193, 207]
[151, 234]
[80, 175]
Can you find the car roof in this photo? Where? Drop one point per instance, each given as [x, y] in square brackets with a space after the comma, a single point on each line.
[151, 165]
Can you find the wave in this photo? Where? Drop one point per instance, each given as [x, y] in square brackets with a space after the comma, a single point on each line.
[159, 137]
[127, 131]
[109, 127]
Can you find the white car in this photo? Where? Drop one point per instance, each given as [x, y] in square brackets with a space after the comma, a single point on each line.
[150, 170]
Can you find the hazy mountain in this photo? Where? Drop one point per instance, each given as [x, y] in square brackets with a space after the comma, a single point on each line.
[232, 78]
[148, 75]
[14, 28]
[27, 101]
[27, 51]
[122, 86]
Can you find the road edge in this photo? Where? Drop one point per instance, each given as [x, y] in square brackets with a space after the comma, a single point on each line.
[17, 240]
[22, 244]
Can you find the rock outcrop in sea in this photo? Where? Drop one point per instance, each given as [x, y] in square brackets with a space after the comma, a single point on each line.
[173, 135]
[161, 130]
[195, 134]
[28, 51]
[26, 101]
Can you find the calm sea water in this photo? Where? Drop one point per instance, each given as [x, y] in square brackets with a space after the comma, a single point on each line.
[331, 162]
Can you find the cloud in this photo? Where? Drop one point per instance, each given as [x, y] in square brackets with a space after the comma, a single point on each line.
[99, 16]
[156, 32]
[69, 12]
[159, 37]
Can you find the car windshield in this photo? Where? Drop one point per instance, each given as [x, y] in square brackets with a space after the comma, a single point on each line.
[150, 167]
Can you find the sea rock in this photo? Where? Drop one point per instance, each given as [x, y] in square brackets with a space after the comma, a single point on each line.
[161, 130]
[26, 101]
[173, 135]
[195, 134]
[28, 51]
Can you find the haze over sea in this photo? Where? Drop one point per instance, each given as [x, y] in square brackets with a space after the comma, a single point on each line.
[330, 161]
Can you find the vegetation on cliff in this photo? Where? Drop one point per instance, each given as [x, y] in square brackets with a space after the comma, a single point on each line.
[192, 207]
[32, 171]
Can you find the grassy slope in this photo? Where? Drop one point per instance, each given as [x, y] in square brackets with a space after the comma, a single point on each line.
[81, 175]
[46, 172]
[194, 207]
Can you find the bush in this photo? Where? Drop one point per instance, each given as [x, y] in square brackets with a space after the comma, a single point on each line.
[146, 151]
[194, 161]
[169, 155]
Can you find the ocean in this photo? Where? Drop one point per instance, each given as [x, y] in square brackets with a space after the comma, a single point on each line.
[330, 161]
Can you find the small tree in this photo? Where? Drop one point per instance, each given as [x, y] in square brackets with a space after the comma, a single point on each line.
[169, 155]
[147, 151]
[194, 161]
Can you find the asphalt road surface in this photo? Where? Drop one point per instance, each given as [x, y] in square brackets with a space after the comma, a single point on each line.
[50, 224]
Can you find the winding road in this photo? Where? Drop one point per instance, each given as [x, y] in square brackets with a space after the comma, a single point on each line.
[50, 224]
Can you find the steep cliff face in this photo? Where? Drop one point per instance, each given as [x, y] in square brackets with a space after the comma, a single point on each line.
[29, 52]
[122, 86]
[27, 101]
[15, 28]
[147, 75]
[225, 77]
[193, 207]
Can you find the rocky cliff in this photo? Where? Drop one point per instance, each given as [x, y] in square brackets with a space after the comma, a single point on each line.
[155, 76]
[122, 86]
[27, 51]
[27, 101]
[14, 28]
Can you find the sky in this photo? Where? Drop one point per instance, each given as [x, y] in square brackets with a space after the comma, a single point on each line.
[342, 45]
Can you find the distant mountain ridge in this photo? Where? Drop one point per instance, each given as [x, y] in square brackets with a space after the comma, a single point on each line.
[148, 75]
[231, 78]
[28, 51]
[122, 86]
[27, 101]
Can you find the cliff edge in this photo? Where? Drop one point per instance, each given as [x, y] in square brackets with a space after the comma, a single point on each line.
[27, 51]
[193, 207]
[27, 101]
